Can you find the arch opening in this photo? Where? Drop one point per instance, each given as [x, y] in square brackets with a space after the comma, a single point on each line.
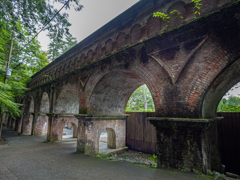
[228, 129]
[230, 102]
[69, 131]
[111, 94]
[107, 140]
[67, 101]
[219, 87]
[141, 100]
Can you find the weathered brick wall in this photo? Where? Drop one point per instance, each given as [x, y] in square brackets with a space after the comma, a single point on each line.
[90, 128]
[129, 28]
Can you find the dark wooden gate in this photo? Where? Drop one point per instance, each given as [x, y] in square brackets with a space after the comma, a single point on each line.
[229, 136]
[141, 136]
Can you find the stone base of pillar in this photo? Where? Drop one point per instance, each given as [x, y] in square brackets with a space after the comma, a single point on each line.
[187, 143]
[90, 128]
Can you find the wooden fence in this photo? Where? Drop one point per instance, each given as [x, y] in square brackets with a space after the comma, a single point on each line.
[229, 137]
[141, 136]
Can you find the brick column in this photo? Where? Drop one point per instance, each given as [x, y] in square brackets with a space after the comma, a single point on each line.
[187, 143]
[19, 124]
[41, 123]
[27, 123]
[91, 126]
[50, 124]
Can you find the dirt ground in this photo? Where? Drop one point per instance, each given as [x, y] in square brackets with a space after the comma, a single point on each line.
[132, 157]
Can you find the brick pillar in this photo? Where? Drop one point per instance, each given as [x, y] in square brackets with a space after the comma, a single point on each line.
[41, 124]
[13, 125]
[90, 127]
[187, 143]
[19, 124]
[27, 124]
[50, 124]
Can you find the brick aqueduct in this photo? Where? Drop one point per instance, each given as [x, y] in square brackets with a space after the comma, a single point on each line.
[188, 64]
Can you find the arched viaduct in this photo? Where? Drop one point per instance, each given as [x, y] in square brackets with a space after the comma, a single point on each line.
[188, 64]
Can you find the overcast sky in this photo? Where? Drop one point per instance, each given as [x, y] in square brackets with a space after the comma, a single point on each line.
[94, 15]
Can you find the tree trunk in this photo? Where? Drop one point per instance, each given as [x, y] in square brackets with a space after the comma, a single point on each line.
[144, 98]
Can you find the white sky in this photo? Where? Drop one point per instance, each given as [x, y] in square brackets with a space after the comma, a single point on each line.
[94, 15]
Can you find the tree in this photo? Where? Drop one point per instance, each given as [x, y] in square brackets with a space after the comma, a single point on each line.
[21, 20]
[59, 46]
[136, 101]
[230, 105]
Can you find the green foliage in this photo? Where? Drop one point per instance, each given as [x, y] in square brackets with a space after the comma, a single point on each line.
[136, 101]
[163, 16]
[52, 139]
[113, 157]
[229, 105]
[154, 159]
[197, 5]
[59, 46]
[21, 20]
[83, 111]
[103, 155]
[197, 172]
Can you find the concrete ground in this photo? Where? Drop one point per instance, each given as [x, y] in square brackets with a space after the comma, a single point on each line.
[31, 158]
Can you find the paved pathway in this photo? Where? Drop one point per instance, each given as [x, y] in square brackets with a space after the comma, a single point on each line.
[30, 158]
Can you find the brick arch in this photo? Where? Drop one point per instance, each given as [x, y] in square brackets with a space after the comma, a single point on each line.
[74, 122]
[98, 52]
[82, 60]
[108, 46]
[69, 66]
[44, 104]
[61, 122]
[114, 84]
[111, 139]
[120, 40]
[56, 73]
[74, 65]
[64, 69]
[153, 26]
[31, 104]
[175, 19]
[135, 34]
[89, 56]
[224, 81]
[67, 101]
